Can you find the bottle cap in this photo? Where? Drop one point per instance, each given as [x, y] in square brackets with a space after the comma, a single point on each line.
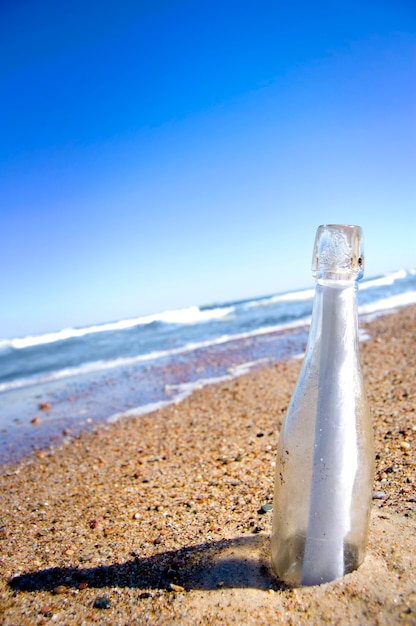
[338, 252]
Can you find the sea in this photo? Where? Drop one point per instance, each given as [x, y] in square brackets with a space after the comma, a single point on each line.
[54, 385]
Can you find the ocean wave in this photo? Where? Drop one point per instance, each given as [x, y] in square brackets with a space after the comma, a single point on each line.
[392, 302]
[190, 315]
[382, 281]
[97, 366]
[291, 296]
[187, 316]
[380, 306]
[308, 294]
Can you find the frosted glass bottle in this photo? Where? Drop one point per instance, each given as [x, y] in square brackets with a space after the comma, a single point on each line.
[325, 461]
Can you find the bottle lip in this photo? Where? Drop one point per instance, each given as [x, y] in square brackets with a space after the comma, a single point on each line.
[338, 252]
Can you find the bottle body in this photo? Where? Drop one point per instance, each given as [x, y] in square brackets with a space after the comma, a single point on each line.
[325, 461]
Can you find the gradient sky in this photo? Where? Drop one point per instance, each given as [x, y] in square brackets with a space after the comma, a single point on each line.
[161, 154]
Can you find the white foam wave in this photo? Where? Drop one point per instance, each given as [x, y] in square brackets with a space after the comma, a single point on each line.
[190, 315]
[392, 302]
[292, 296]
[388, 279]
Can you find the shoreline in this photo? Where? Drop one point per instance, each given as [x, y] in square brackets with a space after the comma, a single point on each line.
[158, 518]
[85, 402]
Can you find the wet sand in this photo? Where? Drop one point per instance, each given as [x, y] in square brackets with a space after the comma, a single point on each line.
[157, 519]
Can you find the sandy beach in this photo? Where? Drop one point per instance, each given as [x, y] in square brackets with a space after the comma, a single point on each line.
[158, 519]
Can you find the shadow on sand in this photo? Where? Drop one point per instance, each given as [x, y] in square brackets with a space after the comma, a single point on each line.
[229, 563]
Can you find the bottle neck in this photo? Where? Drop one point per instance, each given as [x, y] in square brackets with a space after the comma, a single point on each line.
[334, 324]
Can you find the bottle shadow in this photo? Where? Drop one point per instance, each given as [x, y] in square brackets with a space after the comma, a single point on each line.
[230, 563]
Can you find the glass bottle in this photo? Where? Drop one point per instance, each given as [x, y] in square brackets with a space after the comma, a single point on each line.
[325, 461]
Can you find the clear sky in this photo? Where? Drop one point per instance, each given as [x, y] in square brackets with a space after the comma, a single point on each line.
[160, 154]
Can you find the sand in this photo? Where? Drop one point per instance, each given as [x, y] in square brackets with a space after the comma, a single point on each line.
[157, 519]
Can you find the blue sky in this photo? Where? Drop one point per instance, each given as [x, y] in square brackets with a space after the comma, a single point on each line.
[156, 155]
